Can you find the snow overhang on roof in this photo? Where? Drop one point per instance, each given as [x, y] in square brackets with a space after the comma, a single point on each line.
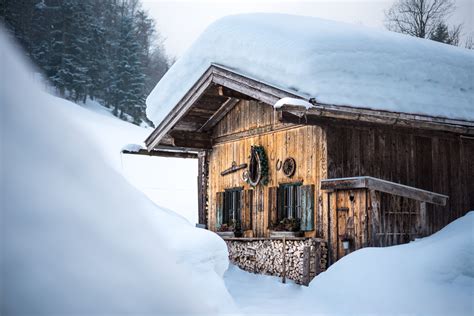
[335, 65]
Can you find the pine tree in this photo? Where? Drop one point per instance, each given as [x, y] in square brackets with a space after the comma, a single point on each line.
[443, 34]
[87, 48]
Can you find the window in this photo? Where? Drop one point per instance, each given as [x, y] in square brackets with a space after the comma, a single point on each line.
[232, 207]
[289, 201]
[291, 207]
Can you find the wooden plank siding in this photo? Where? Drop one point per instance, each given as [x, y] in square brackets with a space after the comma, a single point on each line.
[233, 139]
[439, 163]
[370, 215]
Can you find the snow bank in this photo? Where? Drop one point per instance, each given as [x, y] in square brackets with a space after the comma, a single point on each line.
[77, 238]
[431, 276]
[334, 63]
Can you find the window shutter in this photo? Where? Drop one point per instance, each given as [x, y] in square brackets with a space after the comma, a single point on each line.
[280, 207]
[219, 209]
[272, 206]
[307, 207]
[246, 200]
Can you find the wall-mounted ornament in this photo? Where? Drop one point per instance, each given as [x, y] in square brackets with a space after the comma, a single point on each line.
[258, 166]
[278, 164]
[289, 167]
[234, 168]
[245, 176]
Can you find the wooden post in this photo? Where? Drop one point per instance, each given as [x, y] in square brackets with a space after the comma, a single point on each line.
[374, 218]
[423, 222]
[306, 268]
[202, 187]
[283, 280]
[317, 259]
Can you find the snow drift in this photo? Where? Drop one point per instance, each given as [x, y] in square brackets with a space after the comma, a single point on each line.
[77, 238]
[430, 276]
[335, 63]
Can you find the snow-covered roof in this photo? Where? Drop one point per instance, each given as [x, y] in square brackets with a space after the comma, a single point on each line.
[335, 63]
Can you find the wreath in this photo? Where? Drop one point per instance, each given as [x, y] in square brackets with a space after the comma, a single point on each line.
[258, 167]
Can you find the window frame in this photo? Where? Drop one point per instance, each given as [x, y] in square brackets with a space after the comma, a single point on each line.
[232, 208]
[289, 192]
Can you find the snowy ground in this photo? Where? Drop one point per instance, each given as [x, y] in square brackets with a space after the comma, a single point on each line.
[431, 276]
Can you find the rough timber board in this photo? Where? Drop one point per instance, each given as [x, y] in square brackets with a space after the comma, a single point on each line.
[278, 145]
[384, 186]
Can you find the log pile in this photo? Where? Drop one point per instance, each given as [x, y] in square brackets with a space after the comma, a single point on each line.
[265, 256]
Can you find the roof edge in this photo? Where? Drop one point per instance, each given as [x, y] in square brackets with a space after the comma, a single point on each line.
[270, 94]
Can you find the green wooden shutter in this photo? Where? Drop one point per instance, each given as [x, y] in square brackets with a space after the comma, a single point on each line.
[307, 207]
[246, 199]
[219, 209]
[280, 204]
[272, 206]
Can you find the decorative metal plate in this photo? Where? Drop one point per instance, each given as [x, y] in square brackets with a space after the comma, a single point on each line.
[289, 167]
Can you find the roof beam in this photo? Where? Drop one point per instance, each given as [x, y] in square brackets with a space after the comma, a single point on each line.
[219, 114]
[179, 110]
[324, 114]
[191, 139]
[226, 92]
[218, 75]
[162, 153]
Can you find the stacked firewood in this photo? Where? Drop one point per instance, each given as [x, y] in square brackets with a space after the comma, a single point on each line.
[267, 257]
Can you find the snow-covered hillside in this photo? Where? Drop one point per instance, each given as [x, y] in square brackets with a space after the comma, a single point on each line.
[164, 180]
[76, 237]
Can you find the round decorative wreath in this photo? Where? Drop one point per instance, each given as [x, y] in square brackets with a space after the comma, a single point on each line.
[289, 167]
[258, 167]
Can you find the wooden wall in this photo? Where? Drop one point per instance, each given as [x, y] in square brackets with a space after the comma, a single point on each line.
[438, 162]
[252, 123]
[441, 163]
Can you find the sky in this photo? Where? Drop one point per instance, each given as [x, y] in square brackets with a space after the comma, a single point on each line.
[180, 22]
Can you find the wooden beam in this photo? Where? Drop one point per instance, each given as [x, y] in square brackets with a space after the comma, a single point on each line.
[384, 186]
[219, 114]
[191, 139]
[179, 110]
[162, 153]
[330, 114]
[190, 149]
[270, 94]
[226, 92]
[217, 75]
[203, 178]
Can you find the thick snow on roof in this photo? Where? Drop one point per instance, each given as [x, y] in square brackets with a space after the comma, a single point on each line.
[335, 63]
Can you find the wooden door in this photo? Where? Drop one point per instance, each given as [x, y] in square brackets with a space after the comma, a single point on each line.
[347, 221]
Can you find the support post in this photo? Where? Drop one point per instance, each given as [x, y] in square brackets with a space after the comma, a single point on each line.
[306, 267]
[202, 187]
[374, 218]
[283, 280]
[423, 221]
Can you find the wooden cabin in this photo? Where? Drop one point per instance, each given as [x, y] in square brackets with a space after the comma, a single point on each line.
[348, 177]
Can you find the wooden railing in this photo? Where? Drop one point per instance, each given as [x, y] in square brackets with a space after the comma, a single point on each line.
[374, 212]
[385, 186]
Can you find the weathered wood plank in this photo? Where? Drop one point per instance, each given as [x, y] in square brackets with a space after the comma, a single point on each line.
[324, 114]
[384, 186]
[219, 114]
[162, 153]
